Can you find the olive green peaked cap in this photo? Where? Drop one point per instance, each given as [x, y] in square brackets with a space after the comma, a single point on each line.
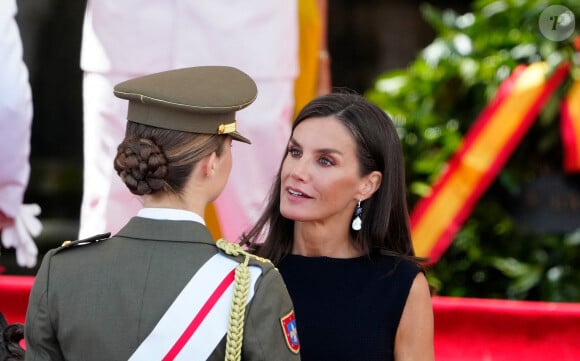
[198, 100]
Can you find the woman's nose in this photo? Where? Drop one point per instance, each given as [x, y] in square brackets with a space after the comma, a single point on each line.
[299, 169]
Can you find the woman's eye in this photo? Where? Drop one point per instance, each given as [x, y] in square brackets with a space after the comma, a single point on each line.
[295, 153]
[325, 161]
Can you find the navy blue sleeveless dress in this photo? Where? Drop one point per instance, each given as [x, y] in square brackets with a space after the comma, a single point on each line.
[347, 309]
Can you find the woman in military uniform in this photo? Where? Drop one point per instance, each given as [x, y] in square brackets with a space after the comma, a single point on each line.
[161, 288]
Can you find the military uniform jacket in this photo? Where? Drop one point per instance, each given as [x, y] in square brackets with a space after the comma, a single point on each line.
[99, 301]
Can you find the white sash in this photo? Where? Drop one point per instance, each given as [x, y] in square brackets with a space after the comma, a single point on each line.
[197, 319]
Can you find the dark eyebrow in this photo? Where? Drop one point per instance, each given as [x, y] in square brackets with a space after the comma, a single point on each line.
[294, 142]
[321, 150]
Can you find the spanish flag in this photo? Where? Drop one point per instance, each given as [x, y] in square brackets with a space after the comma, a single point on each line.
[480, 157]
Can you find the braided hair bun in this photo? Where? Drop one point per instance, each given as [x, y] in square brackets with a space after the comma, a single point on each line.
[142, 165]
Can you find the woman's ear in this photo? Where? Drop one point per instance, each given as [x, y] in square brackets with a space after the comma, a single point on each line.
[208, 165]
[369, 185]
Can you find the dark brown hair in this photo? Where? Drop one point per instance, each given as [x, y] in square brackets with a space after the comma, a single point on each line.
[385, 226]
[10, 337]
[151, 160]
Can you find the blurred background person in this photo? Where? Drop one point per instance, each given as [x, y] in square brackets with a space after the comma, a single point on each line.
[18, 222]
[122, 40]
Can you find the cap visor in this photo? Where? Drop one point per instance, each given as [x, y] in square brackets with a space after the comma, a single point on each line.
[238, 136]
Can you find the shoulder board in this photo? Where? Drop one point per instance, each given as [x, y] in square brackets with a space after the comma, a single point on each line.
[234, 249]
[81, 242]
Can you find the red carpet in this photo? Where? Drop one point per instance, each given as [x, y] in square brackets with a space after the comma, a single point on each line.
[466, 329]
[14, 292]
[469, 329]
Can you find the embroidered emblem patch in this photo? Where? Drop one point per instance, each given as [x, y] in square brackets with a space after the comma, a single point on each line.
[288, 323]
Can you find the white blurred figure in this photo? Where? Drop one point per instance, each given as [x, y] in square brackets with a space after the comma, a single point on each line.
[18, 222]
[126, 39]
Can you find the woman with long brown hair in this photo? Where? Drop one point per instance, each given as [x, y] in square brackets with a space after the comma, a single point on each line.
[337, 228]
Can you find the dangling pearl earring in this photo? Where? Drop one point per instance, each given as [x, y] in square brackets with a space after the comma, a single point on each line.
[357, 222]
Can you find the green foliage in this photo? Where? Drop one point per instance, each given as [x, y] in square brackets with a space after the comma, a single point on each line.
[433, 104]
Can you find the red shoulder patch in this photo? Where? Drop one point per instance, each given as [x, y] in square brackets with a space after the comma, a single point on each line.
[288, 323]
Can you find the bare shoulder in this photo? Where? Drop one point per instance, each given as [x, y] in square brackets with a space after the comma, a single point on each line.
[420, 289]
[414, 340]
